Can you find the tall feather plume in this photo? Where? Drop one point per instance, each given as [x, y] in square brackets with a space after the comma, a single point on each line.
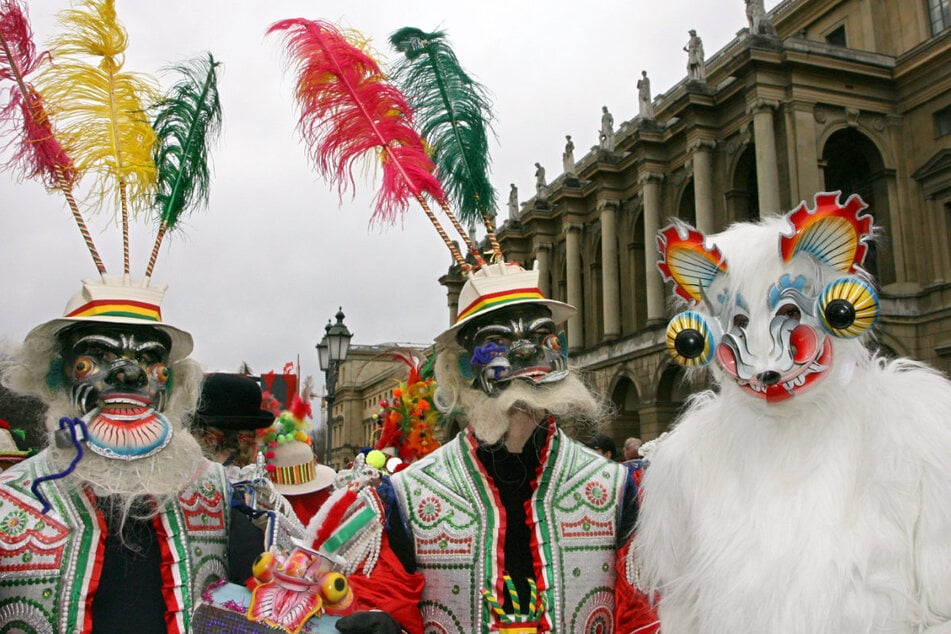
[347, 109]
[454, 115]
[37, 152]
[187, 122]
[101, 110]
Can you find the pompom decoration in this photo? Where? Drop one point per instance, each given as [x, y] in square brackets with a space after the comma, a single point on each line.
[376, 459]
[290, 425]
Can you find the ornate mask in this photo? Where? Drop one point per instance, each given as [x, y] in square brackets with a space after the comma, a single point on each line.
[519, 342]
[770, 322]
[118, 379]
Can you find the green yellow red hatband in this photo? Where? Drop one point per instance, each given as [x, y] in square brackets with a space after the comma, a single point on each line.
[496, 300]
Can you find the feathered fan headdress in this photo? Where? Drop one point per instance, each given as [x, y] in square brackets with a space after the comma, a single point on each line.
[86, 118]
[348, 108]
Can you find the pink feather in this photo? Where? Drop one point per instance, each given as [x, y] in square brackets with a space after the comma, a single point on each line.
[37, 153]
[347, 108]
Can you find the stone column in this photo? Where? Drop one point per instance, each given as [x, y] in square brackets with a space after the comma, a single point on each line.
[654, 283]
[767, 166]
[610, 276]
[573, 260]
[543, 266]
[801, 119]
[703, 183]
[453, 282]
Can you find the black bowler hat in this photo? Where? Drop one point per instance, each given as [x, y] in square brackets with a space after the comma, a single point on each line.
[231, 402]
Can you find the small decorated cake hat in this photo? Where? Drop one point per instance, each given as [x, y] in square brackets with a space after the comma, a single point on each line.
[291, 463]
[9, 452]
[296, 470]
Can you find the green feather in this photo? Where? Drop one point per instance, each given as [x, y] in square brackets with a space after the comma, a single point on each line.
[453, 113]
[187, 122]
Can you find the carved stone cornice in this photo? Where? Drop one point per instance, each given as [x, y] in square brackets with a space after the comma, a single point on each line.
[650, 178]
[761, 104]
[701, 145]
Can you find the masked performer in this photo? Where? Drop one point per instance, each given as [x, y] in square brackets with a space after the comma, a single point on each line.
[121, 522]
[513, 523]
[809, 493]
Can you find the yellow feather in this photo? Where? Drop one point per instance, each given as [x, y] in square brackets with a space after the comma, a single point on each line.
[101, 110]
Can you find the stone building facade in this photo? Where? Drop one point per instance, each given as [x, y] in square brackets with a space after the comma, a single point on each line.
[848, 95]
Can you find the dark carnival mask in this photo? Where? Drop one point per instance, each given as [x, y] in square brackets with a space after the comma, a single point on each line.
[118, 380]
[519, 342]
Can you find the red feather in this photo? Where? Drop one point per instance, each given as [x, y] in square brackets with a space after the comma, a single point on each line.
[410, 360]
[348, 109]
[300, 409]
[332, 518]
[37, 152]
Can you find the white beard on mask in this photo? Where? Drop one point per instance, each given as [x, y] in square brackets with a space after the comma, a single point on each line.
[160, 477]
[576, 409]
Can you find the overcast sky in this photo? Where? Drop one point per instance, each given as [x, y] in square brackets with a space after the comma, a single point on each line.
[256, 275]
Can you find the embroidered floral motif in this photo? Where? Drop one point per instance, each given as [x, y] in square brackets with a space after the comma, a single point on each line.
[14, 523]
[429, 509]
[596, 493]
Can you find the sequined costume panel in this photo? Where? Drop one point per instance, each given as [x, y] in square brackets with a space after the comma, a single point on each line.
[458, 529]
[49, 563]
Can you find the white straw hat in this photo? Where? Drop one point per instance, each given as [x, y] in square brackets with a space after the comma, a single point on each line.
[118, 300]
[497, 286]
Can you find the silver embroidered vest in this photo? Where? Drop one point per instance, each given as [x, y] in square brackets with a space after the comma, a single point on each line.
[458, 526]
[49, 562]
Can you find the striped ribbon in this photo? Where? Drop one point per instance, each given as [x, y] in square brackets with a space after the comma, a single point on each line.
[294, 474]
[493, 300]
[119, 308]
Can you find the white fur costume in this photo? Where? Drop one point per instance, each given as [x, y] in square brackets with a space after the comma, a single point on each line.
[829, 511]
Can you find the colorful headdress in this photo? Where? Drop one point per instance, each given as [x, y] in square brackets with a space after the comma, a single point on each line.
[88, 117]
[348, 107]
[410, 420]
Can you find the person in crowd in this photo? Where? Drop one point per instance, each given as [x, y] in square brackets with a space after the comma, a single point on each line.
[512, 523]
[631, 447]
[604, 445]
[230, 411]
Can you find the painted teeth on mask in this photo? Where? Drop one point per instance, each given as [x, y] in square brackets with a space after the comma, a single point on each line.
[799, 381]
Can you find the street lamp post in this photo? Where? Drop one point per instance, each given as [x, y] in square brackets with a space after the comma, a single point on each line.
[331, 353]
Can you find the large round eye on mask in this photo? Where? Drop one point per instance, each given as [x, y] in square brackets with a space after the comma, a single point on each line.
[690, 342]
[847, 307]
